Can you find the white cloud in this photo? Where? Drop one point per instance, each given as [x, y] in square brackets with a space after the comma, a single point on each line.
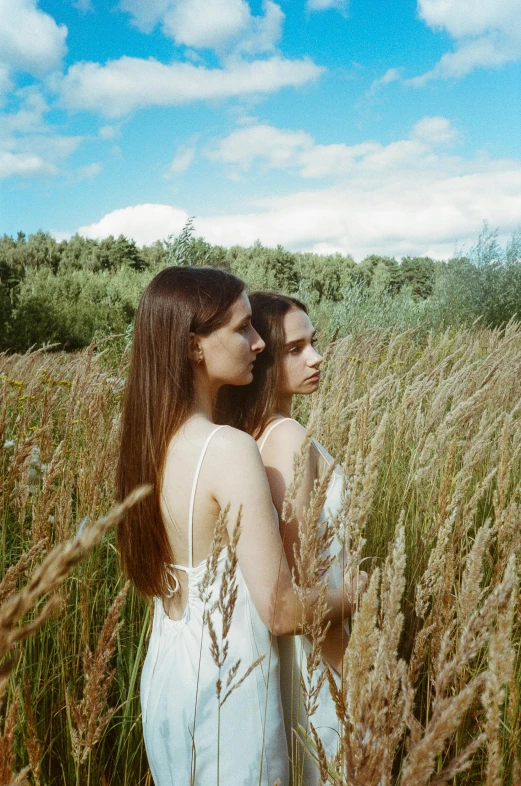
[275, 147]
[466, 17]
[108, 132]
[206, 24]
[181, 161]
[30, 40]
[323, 5]
[408, 197]
[23, 165]
[265, 31]
[5, 83]
[145, 16]
[89, 171]
[222, 25]
[286, 149]
[128, 83]
[436, 130]
[144, 223]
[486, 34]
[391, 75]
[29, 146]
[83, 6]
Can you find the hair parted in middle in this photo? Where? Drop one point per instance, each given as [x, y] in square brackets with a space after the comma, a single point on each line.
[250, 407]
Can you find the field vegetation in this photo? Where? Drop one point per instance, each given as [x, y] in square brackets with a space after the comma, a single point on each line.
[80, 289]
[422, 410]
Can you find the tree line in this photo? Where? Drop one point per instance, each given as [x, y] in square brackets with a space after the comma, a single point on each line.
[72, 291]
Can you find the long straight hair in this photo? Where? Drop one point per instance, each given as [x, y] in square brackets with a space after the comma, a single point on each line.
[159, 394]
[251, 407]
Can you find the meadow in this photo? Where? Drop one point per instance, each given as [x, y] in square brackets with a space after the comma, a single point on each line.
[426, 425]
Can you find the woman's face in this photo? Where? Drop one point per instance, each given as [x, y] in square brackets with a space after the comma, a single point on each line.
[301, 361]
[230, 351]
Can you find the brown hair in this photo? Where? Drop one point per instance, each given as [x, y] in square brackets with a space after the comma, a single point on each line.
[158, 397]
[250, 407]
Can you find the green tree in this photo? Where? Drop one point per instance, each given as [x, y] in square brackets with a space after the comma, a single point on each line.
[419, 274]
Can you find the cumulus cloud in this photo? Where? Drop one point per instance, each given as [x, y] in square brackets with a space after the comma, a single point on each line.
[275, 147]
[221, 25]
[30, 39]
[122, 85]
[436, 130]
[144, 223]
[486, 34]
[409, 197]
[286, 149]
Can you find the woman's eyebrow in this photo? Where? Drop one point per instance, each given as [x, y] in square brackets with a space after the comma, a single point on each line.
[294, 342]
[245, 318]
[300, 340]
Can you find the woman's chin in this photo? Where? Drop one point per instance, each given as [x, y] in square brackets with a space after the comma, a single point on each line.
[308, 388]
[246, 379]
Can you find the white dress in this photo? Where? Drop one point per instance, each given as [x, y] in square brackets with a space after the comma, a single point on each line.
[293, 650]
[188, 739]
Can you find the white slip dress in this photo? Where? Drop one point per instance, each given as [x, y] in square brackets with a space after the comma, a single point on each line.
[189, 739]
[293, 651]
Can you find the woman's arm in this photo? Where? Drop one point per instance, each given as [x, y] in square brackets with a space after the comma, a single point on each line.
[284, 443]
[241, 483]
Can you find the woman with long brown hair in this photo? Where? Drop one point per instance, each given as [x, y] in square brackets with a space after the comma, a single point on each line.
[192, 335]
[290, 365]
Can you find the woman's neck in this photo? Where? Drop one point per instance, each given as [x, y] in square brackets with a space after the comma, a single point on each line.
[204, 396]
[284, 406]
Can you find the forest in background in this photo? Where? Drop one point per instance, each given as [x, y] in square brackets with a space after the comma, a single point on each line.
[77, 290]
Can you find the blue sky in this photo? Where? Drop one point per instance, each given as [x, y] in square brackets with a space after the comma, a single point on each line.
[326, 125]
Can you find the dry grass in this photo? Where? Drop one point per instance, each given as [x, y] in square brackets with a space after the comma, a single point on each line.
[427, 429]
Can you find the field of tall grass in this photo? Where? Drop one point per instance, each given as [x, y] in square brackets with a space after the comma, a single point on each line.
[426, 426]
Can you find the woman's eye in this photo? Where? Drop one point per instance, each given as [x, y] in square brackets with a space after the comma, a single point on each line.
[294, 351]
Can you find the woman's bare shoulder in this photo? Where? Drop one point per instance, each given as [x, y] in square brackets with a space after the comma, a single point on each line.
[231, 442]
[287, 439]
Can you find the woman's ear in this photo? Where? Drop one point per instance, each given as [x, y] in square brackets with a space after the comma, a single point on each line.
[195, 350]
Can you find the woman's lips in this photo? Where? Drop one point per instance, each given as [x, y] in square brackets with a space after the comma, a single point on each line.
[314, 377]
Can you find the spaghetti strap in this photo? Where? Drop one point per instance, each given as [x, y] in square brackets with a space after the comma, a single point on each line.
[188, 568]
[270, 429]
[192, 498]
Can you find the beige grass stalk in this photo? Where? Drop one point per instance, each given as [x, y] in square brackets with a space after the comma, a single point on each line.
[90, 715]
[448, 711]
[7, 736]
[10, 579]
[51, 573]
[223, 607]
[501, 666]
[34, 748]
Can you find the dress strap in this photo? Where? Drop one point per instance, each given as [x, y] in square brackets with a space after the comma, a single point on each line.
[192, 498]
[270, 429]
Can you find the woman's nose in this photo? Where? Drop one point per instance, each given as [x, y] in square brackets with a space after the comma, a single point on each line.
[315, 358]
[257, 344]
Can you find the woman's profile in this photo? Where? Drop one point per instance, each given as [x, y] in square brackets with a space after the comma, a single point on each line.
[290, 365]
[193, 334]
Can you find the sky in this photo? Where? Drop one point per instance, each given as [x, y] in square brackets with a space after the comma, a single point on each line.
[352, 126]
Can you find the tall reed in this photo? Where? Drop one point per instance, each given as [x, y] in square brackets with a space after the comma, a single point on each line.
[426, 427]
